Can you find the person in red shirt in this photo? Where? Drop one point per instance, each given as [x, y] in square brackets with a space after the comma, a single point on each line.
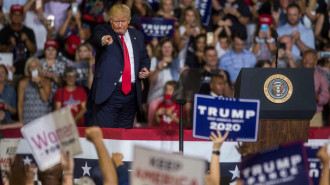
[168, 112]
[72, 96]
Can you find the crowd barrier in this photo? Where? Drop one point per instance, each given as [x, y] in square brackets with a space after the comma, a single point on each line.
[124, 140]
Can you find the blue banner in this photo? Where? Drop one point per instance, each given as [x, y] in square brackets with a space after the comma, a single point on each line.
[315, 170]
[204, 7]
[239, 116]
[156, 28]
[280, 165]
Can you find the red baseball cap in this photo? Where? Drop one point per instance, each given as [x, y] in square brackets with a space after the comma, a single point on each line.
[16, 7]
[265, 19]
[51, 43]
[2, 105]
[72, 42]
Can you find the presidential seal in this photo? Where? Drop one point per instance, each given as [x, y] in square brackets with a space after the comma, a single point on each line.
[278, 88]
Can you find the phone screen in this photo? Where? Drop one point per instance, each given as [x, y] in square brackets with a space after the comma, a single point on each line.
[51, 20]
[74, 7]
[209, 38]
[264, 27]
[34, 73]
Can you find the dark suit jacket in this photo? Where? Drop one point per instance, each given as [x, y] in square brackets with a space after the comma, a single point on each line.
[109, 62]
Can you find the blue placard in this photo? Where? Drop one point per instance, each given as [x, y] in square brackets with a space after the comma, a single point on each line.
[314, 164]
[281, 165]
[156, 28]
[239, 116]
[204, 7]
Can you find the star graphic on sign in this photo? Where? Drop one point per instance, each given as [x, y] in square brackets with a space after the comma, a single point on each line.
[86, 169]
[27, 160]
[235, 173]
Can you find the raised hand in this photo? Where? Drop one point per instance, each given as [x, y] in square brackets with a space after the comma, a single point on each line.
[107, 40]
[218, 139]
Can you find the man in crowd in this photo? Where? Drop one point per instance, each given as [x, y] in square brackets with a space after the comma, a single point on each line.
[321, 86]
[285, 57]
[121, 61]
[303, 37]
[237, 57]
[18, 38]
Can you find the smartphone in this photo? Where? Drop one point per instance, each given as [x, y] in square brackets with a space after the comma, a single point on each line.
[264, 27]
[282, 46]
[38, 4]
[227, 5]
[35, 73]
[209, 38]
[51, 20]
[74, 8]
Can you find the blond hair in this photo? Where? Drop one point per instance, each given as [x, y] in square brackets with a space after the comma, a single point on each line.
[85, 44]
[27, 72]
[119, 9]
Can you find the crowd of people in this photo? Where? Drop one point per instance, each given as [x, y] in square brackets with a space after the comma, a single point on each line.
[53, 56]
[112, 170]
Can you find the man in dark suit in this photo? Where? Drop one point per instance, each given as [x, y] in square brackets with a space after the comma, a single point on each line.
[121, 62]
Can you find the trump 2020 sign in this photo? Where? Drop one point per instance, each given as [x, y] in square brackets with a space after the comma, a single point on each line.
[238, 116]
[279, 165]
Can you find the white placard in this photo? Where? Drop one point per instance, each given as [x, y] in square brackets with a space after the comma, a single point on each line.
[50, 134]
[8, 151]
[152, 167]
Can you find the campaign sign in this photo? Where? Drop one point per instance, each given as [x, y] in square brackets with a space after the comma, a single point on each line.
[280, 165]
[314, 163]
[8, 151]
[152, 167]
[156, 27]
[204, 7]
[238, 116]
[50, 134]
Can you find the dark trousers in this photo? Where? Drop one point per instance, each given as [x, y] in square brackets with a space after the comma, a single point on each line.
[118, 111]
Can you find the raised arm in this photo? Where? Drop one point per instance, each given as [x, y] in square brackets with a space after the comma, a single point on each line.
[214, 176]
[94, 135]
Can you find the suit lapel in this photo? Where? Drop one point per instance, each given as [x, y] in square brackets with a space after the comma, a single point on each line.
[135, 49]
[116, 38]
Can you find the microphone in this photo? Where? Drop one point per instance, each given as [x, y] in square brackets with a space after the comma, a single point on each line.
[275, 36]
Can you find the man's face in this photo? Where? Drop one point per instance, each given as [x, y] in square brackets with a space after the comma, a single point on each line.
[119, 24]
[16, 17]
[287, 41]
[238, 45]
[293, 16]
[211, 57]
[217, 86]
[309, 61]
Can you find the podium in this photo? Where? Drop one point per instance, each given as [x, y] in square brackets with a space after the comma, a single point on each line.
[287, 104]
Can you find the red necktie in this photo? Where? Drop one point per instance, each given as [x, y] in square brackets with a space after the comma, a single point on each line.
[126, 76]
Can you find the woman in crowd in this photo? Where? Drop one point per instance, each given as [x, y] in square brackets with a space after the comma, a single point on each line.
[140, 8]
[195, 59]
[73, 25]
[84, 63]
[190, 26]
[7, 94]
[72, 96]
[264, 44]
[322, 29]
[183, 4]
[164, 67]
[166, 9]
[51, 67]
[33, 93]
